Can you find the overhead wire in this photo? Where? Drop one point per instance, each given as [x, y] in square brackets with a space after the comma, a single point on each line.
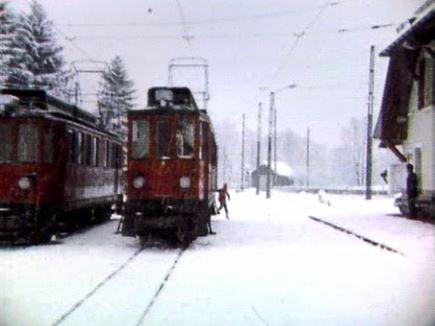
[198, 22]
[299, 36]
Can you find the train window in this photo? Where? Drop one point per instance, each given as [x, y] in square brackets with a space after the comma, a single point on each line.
[201, 140]
[109, 154]
[88, 150]
[5, 142]
[113, 156]
[140, 146]
[185, 138]
[47, 136]
[96, 154]
[28, 140]
[163, 139]
[71, 146]
[79, 147]
[103, 160]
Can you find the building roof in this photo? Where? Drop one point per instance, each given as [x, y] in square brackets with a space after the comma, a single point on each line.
[418, 29]
[281, 168]
[392, 124]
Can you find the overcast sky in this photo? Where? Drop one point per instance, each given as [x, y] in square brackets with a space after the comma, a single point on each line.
[251, 46]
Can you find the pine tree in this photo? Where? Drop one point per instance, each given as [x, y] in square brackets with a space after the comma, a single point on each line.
[38, 60]
[7, 30]
[116, 96]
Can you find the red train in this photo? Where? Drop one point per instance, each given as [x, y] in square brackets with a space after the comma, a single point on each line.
[171, 167]
[57, 166]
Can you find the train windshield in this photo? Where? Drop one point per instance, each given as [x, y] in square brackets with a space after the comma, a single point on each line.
[140, 146]
[163, 143]
[28, 140]
[5, 142]
[185, 138]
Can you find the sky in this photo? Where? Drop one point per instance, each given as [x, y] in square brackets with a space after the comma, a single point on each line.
[251, 46]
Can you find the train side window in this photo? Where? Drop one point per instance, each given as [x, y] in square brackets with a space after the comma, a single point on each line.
[113, 157]
[140, 145]
[163, 141]
[72, 146]
[47, 135]
[79, 148]
[108, 154]
[88, 149]
[185, 138]
[5, 142]
[103, 153]
[28, 141]
[96, 154]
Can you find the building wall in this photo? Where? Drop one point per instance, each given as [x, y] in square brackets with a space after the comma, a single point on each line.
[421, 132]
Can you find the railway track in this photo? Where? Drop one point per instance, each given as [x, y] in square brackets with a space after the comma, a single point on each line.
[357, 235]
[116, 274]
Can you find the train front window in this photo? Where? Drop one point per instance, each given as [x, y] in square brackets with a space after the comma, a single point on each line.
[185, 138]
[28, 140]
[163, 142]
[140, 145]
[5, 142]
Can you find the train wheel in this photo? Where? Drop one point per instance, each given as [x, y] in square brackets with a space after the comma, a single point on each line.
[44, 231]
[203, 220]
[186, 231]
[103, 214]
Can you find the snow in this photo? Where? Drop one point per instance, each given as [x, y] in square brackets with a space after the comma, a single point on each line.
[268, 265]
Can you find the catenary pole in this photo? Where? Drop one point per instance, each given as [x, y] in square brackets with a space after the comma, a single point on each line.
[258, 149]
[274, 144]
[369, 124]
[307, 181]
[243, 154]
[269, 144]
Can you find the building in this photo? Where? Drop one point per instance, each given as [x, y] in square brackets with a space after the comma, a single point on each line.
[406, 122]
[282, 177]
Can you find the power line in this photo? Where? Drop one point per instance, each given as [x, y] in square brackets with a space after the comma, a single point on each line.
[299, 36]
[183, 25]
[201, 22]
[242, 35]
[68, 39]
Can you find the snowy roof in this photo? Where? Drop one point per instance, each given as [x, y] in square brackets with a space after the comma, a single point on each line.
[281, 168]
[419, 28]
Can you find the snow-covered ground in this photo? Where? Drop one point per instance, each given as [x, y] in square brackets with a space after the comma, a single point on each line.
[269, 264]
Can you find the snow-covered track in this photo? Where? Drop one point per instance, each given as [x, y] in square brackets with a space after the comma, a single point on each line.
[160, 288]
[97, 287]
[359, 236]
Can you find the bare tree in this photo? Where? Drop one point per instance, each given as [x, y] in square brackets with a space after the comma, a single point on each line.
[353, 145]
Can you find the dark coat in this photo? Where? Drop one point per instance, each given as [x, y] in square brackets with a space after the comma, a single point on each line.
[412, 185]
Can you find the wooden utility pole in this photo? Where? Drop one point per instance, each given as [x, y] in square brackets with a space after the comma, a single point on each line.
[258, 149]
[243, 154]
[370, 123]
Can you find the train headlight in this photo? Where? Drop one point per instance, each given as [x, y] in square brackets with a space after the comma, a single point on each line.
[24, 183]
[184, 182]
[138, 182]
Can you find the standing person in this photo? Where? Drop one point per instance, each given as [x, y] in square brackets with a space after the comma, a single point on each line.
[411, 189]
[223, 194]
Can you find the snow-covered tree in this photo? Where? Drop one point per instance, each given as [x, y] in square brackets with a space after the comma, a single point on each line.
[38, 61]
[7, 28]
[116, 96]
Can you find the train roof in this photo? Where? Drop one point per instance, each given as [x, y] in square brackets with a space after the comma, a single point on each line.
[174, 98]
[39, 100]
[41, 103]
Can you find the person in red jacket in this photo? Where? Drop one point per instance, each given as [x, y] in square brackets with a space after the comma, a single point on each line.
[223, 194]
